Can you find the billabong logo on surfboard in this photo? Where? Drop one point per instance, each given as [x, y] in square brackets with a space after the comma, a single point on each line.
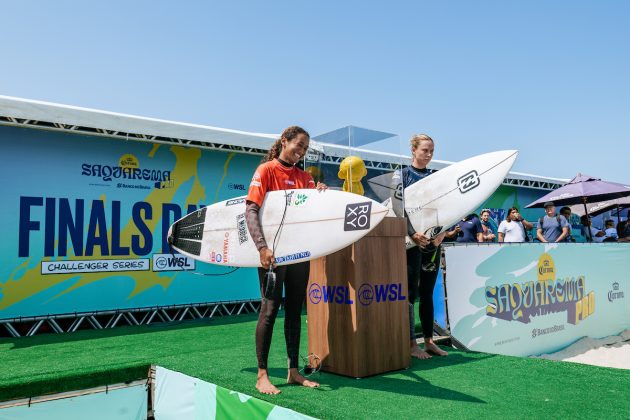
[468, 182]
[357, 216]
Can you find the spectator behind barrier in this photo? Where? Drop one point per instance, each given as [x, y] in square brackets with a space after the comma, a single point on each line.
[514, 227]
[623, 230]
[610, 232]
[488, 234]
[467, 230]
[596, 234]
[552, 227]
[566, 212]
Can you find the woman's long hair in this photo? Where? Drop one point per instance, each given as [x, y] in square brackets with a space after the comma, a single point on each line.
[288, 134]
[507, 216]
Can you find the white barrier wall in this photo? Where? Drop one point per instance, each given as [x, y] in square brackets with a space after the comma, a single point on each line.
[179, 396]
[119, 404]
[529, 299]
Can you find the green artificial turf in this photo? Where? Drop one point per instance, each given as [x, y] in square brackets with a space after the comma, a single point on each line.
[221, 351]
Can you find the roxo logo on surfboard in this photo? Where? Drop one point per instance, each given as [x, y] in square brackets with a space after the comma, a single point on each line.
[357, 216]
[468, 182]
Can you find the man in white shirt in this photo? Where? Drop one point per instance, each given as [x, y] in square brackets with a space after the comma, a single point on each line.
[512, 229]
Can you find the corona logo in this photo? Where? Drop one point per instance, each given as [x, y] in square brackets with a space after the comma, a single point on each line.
[615, 293]
[128, 161]
[546, 268]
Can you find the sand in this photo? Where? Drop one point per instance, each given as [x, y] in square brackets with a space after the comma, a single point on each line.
[612, 351]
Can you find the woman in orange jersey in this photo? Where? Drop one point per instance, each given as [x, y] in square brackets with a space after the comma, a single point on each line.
[278, 172]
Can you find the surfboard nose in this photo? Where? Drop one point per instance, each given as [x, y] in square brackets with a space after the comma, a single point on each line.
[503, 157]
[503, 154]
[378, 207]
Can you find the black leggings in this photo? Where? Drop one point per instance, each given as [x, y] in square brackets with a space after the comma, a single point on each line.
[294, 277]
[421, 284]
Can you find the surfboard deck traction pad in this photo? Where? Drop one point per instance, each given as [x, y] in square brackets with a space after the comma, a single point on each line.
[188, 231]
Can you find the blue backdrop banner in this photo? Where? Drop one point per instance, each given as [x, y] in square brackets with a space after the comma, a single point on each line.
[84, 222]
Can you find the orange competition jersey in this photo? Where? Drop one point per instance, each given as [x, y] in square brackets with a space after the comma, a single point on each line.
[273, 176]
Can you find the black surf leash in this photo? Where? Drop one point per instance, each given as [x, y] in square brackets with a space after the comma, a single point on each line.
[270, 276]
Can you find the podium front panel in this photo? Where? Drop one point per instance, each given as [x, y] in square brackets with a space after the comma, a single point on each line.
[357, 305]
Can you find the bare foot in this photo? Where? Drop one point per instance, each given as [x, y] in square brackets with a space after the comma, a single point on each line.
[433, 349]
[263, 385]
[295, 378]
[418, 353]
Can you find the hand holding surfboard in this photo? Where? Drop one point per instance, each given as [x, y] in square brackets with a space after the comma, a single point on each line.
[316, 223]
[440, 200]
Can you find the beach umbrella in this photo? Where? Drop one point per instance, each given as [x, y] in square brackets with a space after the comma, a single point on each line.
[583, 189]
[595, 209]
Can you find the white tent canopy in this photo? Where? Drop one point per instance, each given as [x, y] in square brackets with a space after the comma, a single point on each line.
[69, 117]
[50, 116]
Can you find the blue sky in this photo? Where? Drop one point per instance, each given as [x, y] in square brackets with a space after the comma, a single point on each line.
[548, 78]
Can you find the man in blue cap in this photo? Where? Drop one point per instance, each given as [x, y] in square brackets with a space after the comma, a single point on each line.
[552, 227]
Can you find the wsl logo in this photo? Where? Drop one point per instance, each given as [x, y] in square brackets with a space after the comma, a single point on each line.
[549, 294]
[615, 293]
[366, 295]
[369, 293]
[172, 262]
[329, 294]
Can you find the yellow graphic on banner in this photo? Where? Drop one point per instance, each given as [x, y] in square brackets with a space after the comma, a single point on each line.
[128, 161]
[546, 268]
[550, 294]
[19, 287]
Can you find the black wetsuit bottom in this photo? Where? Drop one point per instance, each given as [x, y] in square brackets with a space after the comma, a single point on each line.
[422, 270]
[294, 278]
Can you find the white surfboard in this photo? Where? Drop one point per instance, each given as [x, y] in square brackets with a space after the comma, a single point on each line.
[443, 198]
[316, 223]
[383, 187]
[438, 201]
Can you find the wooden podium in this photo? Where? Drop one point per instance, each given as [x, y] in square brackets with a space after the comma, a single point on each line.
[358, 322]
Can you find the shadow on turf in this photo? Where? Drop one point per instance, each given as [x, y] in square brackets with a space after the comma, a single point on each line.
[44, 339]
[404, 382]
